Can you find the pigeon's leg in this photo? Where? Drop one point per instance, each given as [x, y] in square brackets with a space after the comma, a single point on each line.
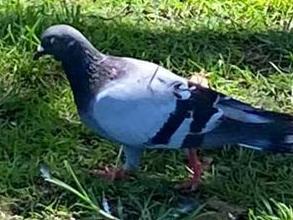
[132, 160]
[196, 166]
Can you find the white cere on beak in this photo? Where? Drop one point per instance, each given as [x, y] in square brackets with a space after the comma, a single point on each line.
[40, 49]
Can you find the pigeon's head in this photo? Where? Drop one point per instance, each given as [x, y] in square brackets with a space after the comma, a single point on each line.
[62, 42]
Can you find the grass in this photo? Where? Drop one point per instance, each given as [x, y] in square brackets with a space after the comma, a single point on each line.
[245, 47]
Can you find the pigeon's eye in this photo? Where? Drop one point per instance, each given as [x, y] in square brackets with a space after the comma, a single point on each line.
[52, 40]
[48, 42]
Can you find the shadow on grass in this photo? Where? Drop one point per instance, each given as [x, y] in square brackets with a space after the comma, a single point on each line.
[202, 48]
[187, 48]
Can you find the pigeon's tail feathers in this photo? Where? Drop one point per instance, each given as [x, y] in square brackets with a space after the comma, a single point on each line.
[252, 128]
[274, 136]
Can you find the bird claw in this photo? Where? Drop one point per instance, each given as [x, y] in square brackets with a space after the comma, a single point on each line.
[111, 173]
[195, 168]
[187, 186]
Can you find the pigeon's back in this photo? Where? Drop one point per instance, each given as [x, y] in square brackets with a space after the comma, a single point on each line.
[148, 70]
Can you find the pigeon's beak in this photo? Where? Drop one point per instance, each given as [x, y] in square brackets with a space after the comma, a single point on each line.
[40, 52]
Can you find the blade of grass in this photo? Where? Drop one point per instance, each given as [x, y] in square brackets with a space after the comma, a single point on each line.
[82, 195]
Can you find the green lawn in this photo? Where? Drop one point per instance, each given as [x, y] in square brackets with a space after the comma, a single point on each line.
[245, 47]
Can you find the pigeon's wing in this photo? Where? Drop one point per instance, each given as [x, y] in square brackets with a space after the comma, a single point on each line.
[132, 109]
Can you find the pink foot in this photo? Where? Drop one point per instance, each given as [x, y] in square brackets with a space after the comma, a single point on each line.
[187, 186]
[111, 173]
[196, 167]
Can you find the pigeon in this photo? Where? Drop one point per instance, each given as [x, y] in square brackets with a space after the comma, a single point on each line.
[142, 105]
